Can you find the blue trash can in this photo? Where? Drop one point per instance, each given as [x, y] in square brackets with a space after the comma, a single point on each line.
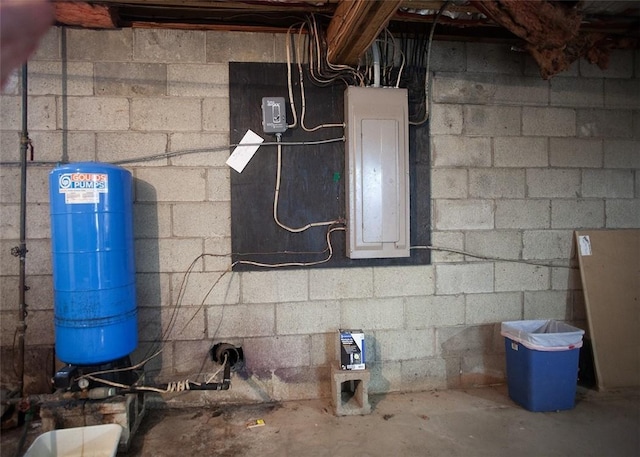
[542, 363]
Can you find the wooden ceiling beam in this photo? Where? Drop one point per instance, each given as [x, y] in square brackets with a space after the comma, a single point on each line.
[85, 15]
[355, 25]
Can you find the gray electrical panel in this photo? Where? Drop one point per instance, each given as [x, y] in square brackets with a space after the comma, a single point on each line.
[274, 115]
[377, 171]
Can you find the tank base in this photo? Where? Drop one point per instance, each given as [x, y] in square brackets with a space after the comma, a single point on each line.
[72, 377]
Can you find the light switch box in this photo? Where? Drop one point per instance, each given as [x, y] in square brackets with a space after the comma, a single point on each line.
[377, 162]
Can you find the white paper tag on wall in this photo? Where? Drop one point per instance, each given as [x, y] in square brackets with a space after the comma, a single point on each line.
[241, 155]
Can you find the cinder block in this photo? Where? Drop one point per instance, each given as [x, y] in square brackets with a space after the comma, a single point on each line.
[130, 79]
[355, 401]
[335, 283]
[42, 112]
[463, 88]
[165, 324]
[553, 183]
[206, 288]
[404, 344]
[548, 121]
[10, 221]
[264, 354]
[424, 374]
[130, 145]
[449, 183]
[8, 322]
[604, 123]
[520, 152]
[9, 300]
[607, 183]
[170, 184]
[37, 184]
[219, 184]
[385, 377]
[214, 146]
[464, 279]
[497, 183]
[99, 114]
[379, 314]
[10, 264]
[165, 45]
[160, 366]
[166, 114]
[493, 58]
[547, 244]
[575, 152]
[210, 219]
[241, 321]
[482, 369]
[215, 115]
[323, 348]
[463, 214]
[622, 154]
[621, 93]
[620, 66]
[577, 92]
[623, 213]
[466, 339]
[49, 46]
[223, 47]
[576, 214]
[167, 255]
[495, 243]
[39, 328]
[403, 281]
[38, 258]
[191, 357]
[519, 90]
[46, 78]
[450, 240]
[460, 151]
[50, 146]
[636, 124]
[218, 252]
[492, 120]
[100, 45]
[38, 221]
[275, 286]
[434, 311]
[300, 383]
[446, 119]
[193, 80]
[512, 276]
[13, 83]
[493, 308]
[151, 220]
[565, 278]
[448, 56]
[153, 289]
[307, 317]
[548, 304]
[532, 68]
[10, 142]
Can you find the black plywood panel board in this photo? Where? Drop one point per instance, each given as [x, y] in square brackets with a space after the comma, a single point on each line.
[312, 185]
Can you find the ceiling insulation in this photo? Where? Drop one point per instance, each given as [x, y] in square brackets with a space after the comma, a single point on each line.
[554, 32]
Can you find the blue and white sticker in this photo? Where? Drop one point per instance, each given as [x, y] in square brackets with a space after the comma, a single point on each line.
[83, 187]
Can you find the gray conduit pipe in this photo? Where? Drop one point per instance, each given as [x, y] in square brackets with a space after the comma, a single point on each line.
[22, 249]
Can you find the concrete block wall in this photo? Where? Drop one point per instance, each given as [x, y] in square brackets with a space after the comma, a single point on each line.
[518, 163]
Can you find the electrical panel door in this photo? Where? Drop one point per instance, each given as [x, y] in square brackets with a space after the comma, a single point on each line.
[377, 162]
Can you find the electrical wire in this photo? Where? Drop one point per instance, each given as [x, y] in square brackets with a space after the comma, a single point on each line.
[427, 84]
[486, 257]
[295, 264]
[276, 198]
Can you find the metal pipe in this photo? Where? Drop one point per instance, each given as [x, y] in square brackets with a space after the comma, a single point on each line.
[22, 249]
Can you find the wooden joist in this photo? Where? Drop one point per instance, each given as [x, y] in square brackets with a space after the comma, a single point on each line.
[86, 15]
[355, 25]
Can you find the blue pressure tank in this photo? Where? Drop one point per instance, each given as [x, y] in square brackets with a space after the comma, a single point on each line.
[93, 263]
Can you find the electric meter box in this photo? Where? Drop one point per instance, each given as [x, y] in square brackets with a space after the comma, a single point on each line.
[352, 350]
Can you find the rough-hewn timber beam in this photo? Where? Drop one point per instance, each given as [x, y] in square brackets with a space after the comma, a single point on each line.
[355, 25]
[86, 15]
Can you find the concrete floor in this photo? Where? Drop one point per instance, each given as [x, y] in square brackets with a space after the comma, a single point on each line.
[472, 422]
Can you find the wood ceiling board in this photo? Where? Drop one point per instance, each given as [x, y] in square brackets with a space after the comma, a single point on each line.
[611, 282]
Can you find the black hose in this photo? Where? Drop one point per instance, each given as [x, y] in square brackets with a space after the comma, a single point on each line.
[27, 421]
